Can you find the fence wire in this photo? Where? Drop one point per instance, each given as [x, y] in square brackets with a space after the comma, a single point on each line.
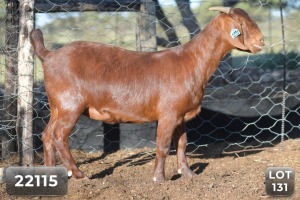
[251, 100]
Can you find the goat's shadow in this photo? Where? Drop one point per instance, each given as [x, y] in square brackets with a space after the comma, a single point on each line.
[142, 158]
[131, 161]
[137, 159]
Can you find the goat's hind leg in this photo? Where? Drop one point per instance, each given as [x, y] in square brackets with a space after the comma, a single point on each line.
[48, 146]
[64, 125]
[180, 142]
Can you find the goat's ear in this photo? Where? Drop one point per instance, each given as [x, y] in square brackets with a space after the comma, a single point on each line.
[234, 33]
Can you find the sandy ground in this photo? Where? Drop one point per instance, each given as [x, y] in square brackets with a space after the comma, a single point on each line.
[128, 175]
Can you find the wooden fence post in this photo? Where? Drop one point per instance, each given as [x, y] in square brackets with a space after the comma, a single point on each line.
[146, 27]
[146, 41]
[25, 83]
[10, 87]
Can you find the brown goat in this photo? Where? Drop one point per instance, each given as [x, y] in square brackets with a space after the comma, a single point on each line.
[114, 85]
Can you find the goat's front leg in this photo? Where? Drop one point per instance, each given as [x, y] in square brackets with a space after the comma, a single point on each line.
[165, 130]
[180, 141]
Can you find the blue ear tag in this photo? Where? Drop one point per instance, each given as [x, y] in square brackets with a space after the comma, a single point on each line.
[235, 33]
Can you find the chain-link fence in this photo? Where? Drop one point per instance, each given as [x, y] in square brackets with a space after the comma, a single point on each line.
[251, 100]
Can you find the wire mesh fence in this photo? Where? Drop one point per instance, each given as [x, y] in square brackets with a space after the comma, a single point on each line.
[251, 100]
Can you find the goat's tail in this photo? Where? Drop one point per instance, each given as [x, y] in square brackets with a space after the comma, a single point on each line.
[37, 40]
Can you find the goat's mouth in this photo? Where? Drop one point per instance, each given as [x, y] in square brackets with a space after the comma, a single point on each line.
[254, 48]
[257, 46]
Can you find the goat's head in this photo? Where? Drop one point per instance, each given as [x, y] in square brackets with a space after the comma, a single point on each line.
[241, 31]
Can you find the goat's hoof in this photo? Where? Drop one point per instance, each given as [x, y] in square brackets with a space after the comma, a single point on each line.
[186, 173]
[158, 179]
[84, 179]
[78, 175]
[80, 178]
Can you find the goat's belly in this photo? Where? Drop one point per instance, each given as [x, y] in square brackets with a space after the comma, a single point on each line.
[111, 116]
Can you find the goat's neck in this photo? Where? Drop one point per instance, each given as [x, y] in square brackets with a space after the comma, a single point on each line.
[208, 48]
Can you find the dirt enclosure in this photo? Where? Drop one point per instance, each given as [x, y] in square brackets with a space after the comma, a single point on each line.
[128, 175]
